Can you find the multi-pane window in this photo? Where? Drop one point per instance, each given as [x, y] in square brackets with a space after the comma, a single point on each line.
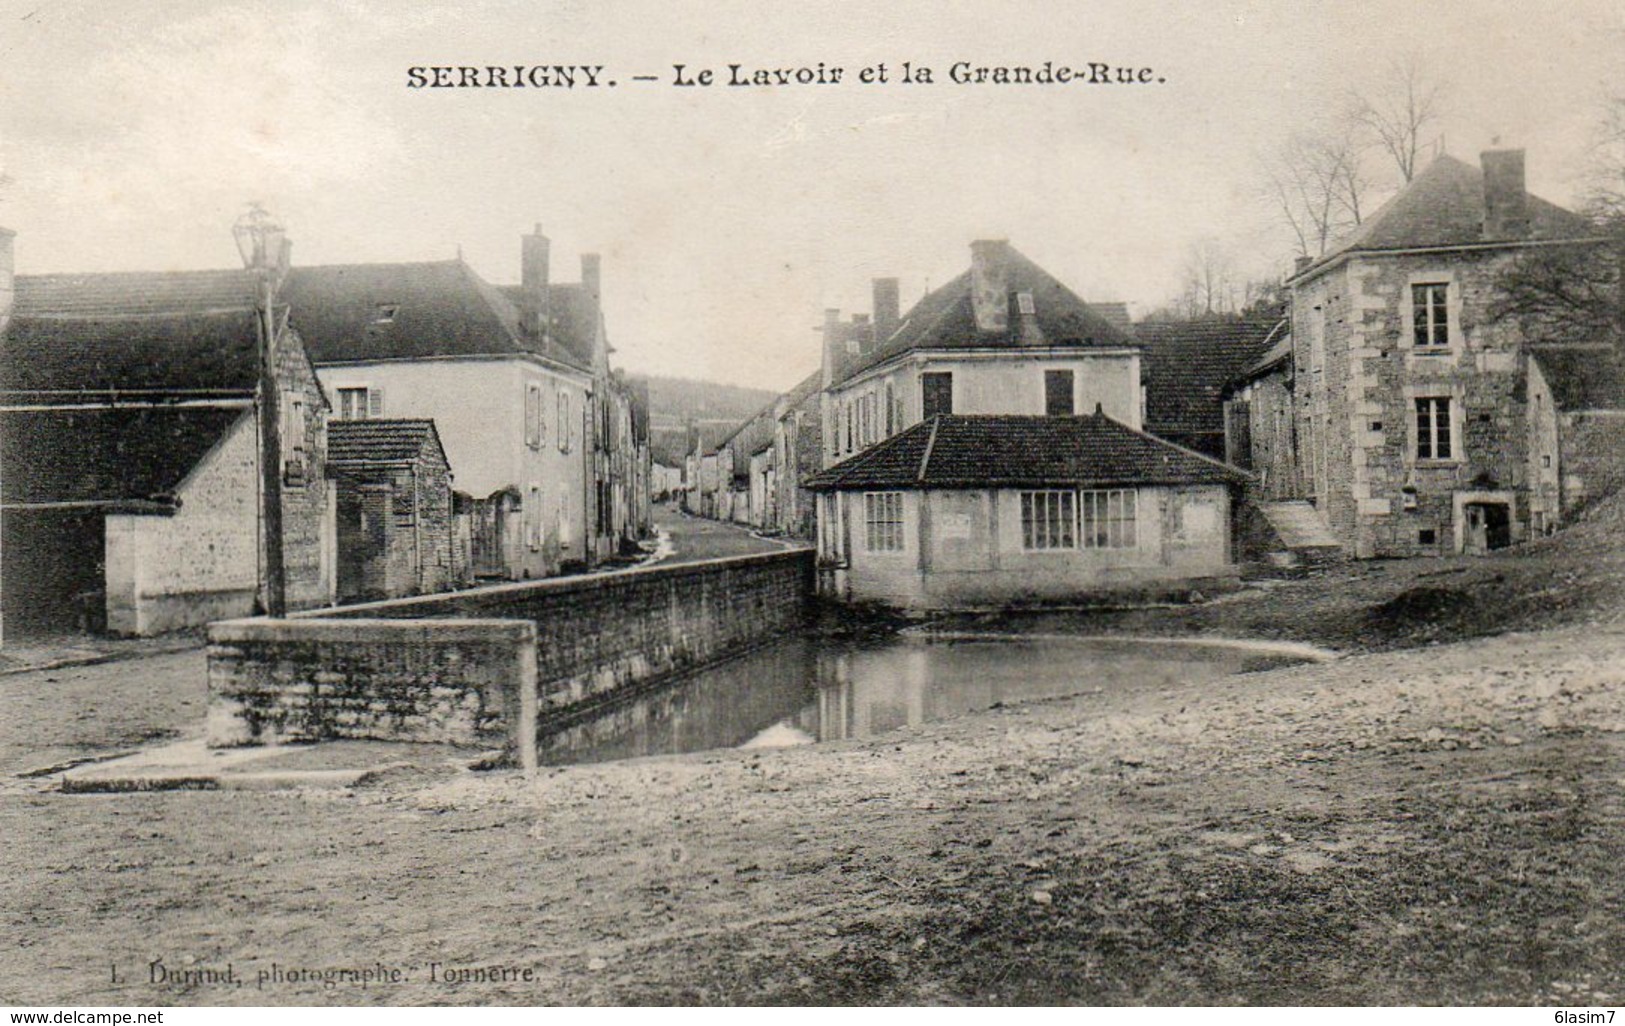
[1108, 518]
[1058, 393]
[883, 521]
[359, 403]
[1430, 317]
[1049, 520]
[937, 393]
[1433, 429]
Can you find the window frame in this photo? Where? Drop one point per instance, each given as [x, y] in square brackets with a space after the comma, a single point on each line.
[884, 527]
[1049, 519]
[1430, 440]
[927, 380]
[1051, 377]
[1430, 320]
[1118, 538]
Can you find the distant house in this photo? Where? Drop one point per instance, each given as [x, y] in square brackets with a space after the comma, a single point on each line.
[797, 454]
[1004, 337]
[1185, 368]
[129, 454]
[1576, 433]
[1409, 396]
[994, 510]
[517, 382]
[396, 528]
[1260, 423]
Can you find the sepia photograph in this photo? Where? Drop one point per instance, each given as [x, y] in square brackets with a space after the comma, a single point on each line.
[602, 503]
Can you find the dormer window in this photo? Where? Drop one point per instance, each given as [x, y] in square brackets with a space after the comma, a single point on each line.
[385, 313]
[1024, 304]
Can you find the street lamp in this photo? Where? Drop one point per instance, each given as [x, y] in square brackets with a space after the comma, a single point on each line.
[264, 246]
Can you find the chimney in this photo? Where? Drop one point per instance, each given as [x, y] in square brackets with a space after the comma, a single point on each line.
[860, 336]
[1301, 263]
[832, 345]
[591, 284]
[990, 285]
[8, 276]
[1506, 207]
[887, 310]
[533, 283]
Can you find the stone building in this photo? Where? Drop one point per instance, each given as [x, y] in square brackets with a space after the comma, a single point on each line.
[1576, 438]
[1409, 395]
[396, 530]
[1185, 367]
[129, 454]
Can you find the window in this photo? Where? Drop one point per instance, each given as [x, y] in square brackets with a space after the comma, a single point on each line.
[1427, 536]
[891, 411]
[1108, 519]
[937, 393]
[1049, 520]
[293, 439]
[533, 415]
[564, 422]
[1433, 429]
[883, 521]
[533, 517]
[1430, 318]
[385, 313]
[1058, 393]
[360, 402]
[1024, 304]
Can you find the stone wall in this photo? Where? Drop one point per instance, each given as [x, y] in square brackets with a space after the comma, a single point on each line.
[598, 639]
[467, 682]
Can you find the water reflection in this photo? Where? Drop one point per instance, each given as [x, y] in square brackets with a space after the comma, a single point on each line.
[798, 691]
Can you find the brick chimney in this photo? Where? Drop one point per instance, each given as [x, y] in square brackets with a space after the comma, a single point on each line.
[887, 308]
[990, 285]
[533, 258]
[592, 286]
[1506, 206]
[8, 276]
[860, 336]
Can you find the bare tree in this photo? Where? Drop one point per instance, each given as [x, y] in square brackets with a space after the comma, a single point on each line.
[1400, 112]
[1576, 292]
[1317, 183]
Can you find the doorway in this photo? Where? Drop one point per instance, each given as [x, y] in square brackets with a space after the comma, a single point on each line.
[1489, 526]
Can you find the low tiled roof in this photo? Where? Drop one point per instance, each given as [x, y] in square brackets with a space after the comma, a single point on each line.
[945, 319]
[1277, 353]
[354, 442]
[125, 294]
[185, 353]
[110, 455]
[1186, 366]
[1016, 451]
[1588, 377]
[1444, 206]
[348, 313]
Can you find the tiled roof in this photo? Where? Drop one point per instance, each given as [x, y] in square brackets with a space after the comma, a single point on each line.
[352, 442]
[1278, 352]
[570, 320]
[108, 455]
[944, 318]
[1444, 206]
[362, 312]
[1014, 451]
[1583, 377]
[132, 293]
[196, 353]
[1186, 366]
[1115, 314]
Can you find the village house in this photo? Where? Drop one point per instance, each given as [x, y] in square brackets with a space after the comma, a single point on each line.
[129, 453]
[1576, 437]
[1185, 368]
[517, 382]
[798, 452]
[993, 510]
[1401, 423]
[1004, 337]
[986, 449]
[396, 531]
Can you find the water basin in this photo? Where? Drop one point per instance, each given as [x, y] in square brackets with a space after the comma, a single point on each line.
[803, 691]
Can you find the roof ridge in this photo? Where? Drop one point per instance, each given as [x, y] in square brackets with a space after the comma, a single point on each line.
[930, 443]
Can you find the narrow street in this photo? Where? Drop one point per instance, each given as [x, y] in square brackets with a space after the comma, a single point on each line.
[696, 538]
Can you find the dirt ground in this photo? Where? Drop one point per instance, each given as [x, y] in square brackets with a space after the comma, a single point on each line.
[1438, 818]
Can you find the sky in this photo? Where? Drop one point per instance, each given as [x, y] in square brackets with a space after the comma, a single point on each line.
[728, 218]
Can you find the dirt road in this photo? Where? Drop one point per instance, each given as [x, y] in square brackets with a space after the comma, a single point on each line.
[1432, 826]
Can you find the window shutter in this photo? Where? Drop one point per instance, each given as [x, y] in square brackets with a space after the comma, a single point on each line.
[375, 402]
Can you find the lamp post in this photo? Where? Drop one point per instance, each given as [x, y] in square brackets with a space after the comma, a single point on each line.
[264, 246]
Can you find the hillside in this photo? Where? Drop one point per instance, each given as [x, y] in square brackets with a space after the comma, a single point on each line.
[674, 402]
